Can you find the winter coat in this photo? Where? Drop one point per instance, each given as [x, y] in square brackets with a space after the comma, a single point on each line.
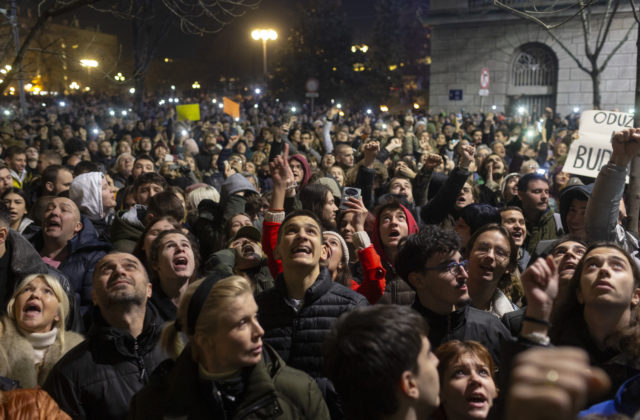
[397, 290]
[545, 229]
[16, 355]
[272, 390]
[225, 260]
[32, 404]
[466, 323]
[441, 207]
[626, 401]
[298, 335]
[127, 228]
[97, 378]
[601, 217]
[85, 250]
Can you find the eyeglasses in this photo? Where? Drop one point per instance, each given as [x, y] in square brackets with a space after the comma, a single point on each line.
[453, 267]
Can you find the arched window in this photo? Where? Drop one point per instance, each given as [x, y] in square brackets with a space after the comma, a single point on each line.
[533, 79]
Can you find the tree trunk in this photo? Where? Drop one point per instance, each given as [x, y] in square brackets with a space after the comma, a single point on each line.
[595, 82]
[633, 192]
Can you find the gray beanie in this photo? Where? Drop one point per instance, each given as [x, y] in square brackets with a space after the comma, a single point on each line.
[345, 249]
[236, 183]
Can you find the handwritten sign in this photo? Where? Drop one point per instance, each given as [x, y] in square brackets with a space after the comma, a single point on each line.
[592, 150]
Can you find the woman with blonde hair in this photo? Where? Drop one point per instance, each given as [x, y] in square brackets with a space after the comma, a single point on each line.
[34, 337]
[225, 371]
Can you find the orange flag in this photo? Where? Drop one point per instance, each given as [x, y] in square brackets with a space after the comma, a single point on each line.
[232, 108]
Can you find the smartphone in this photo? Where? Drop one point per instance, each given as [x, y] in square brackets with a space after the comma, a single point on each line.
[348, 192]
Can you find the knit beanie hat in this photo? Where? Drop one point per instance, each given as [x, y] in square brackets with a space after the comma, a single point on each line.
[345, 250]
[236, 183]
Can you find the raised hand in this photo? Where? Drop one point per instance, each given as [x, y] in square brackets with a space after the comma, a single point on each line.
[430, 161]
[360, 212]
[540, 283]
[625, 145]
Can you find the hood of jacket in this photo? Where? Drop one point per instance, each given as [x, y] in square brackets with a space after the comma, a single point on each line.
[305, 165]
[375, 236]
[581, 192]
[86, 192]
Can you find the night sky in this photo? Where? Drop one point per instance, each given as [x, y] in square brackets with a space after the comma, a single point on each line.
[231, 51]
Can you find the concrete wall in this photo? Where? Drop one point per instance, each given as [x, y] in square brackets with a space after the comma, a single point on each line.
[461, 50]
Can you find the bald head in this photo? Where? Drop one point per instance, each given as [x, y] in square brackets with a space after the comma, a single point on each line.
[61, 221]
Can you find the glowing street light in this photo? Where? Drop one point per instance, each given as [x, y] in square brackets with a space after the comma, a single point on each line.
[384, 108]
[74, 86]
[195, 85]
[132, 90]
[119, 77]
[264, 35]
[88, 62]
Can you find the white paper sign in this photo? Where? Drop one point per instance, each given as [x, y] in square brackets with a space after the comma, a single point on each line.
[592, 150]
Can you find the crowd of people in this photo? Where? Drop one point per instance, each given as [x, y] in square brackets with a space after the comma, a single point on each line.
[290, 263]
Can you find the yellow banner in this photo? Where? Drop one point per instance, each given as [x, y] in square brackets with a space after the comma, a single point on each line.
[189, 112]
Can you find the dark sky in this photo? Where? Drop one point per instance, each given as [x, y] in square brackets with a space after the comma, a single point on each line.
[231, 51]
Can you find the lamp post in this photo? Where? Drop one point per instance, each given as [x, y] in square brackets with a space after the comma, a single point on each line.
[264, 35]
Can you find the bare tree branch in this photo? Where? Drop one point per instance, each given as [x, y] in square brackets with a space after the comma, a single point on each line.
[615, 49]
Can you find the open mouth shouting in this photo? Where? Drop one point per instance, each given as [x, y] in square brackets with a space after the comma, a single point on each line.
[32, 309]
[477, 400]
[181, 263]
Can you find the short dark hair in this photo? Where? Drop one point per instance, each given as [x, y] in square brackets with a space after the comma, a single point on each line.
[511, 208]
[523, 183]
[166, 203]
[150, 178]
[14, 150]
[416, 249]
[366, 353]
[74, 145]
[86, 166]
[298, 213]
[478, 215]
[143, 156]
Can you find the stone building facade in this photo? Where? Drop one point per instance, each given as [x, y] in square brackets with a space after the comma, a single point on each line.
[527, 67]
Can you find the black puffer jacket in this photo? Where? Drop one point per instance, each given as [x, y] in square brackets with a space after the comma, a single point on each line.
[271, 390]
[298, 335]
[98, 378]
[466, 323]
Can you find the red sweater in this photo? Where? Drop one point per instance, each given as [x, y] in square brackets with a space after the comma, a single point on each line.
[373, 273]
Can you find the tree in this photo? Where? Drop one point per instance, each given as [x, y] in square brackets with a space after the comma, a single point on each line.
[151, 20]
[595, 20]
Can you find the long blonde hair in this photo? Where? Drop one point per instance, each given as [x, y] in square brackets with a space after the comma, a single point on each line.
[58, 291]
[207, 321]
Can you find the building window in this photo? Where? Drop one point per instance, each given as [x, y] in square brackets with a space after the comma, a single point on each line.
[533, 79]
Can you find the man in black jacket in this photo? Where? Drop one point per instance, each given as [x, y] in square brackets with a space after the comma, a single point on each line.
[433, 266]
[97, 378]
[300, 310]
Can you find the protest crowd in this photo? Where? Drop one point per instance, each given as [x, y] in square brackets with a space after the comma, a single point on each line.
[292, 263]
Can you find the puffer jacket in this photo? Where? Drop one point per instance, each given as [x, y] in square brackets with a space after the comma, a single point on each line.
[466, 323]
[85, 250]
[273, 391]
[16, 355]
[97, 378]
[396, 290]
[297, 336]
[32, 404]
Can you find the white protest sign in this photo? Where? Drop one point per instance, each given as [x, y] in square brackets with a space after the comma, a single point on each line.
[592, 150]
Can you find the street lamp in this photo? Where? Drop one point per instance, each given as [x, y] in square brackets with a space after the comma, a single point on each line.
[264, 35]
[87, 62]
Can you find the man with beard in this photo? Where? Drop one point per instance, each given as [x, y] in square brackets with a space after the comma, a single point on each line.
[513, 219]
[566, 252]
[244, 257]
[120, 350]
[433, 266]
[533, 191]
